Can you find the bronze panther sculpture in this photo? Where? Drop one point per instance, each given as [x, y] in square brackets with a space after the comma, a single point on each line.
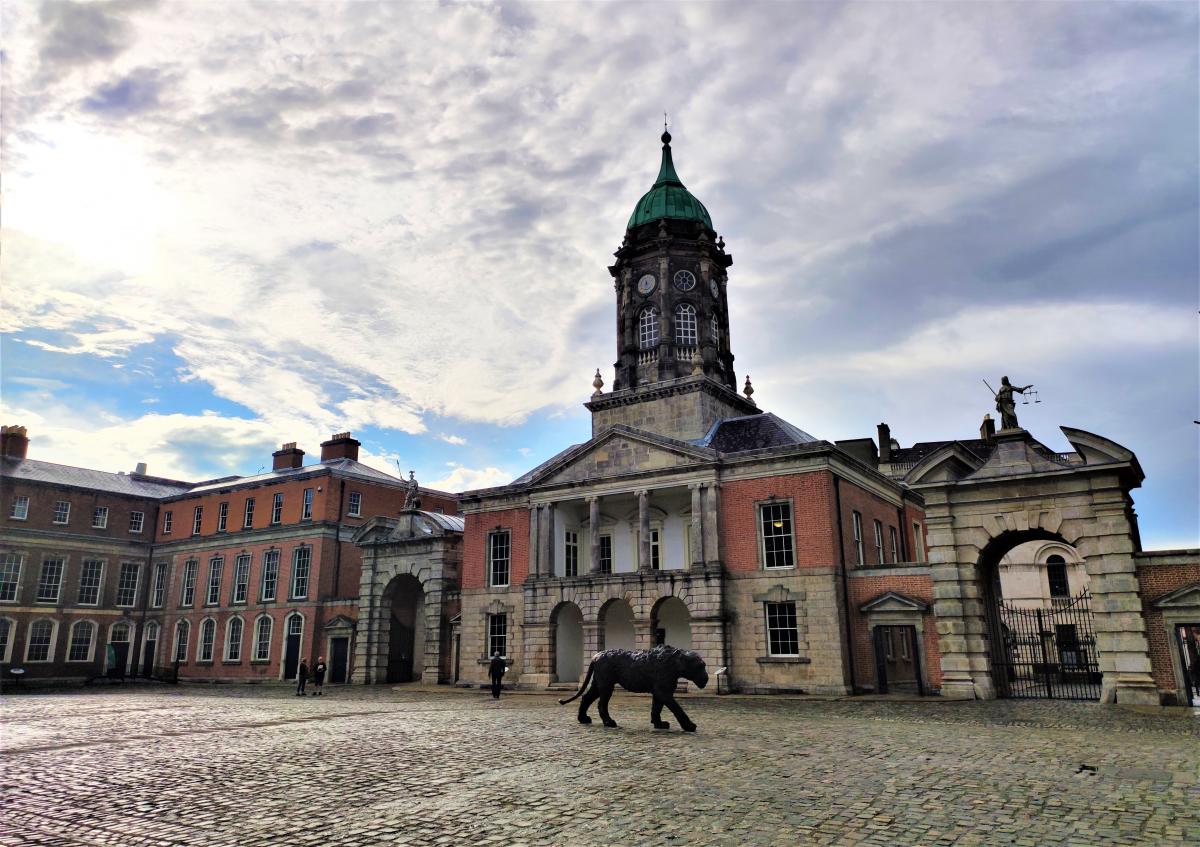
[653, 671]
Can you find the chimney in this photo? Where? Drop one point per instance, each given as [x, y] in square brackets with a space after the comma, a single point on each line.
[14, 443]
[288, 457]
[140, 470]
[987, 431]
[340, 446]
[885, 443]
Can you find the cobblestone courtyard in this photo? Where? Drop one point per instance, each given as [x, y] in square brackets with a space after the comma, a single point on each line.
[247, 766]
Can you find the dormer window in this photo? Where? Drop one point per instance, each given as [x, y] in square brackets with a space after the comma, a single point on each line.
[648, 328]
[685, 325]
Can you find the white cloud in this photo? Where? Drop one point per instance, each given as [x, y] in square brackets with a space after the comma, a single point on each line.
[456, 440]
[467, 479]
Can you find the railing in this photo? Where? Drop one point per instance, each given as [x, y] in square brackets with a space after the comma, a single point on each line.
[648, 357]
[901, 467]
[687, 354]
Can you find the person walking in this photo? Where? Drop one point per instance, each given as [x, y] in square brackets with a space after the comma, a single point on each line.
[496, 671]
[318, 676]
[301, 678]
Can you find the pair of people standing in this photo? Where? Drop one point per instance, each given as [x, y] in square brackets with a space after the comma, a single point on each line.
[318, 677]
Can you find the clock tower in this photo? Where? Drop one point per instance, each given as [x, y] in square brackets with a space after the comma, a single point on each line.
[674, 369]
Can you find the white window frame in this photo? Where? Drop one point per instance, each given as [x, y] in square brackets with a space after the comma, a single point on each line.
[160, 585]
[277, 509]
[230, 642]
[262, 649]
[121, 584]
[137, 522]
[62, 570]
[856, 520]
[600, 565]
[91, 646]
[492, 559]
[207, 625]
[51, 648]
[63, 508]
[179, 653]
[99, 586]
[492, 636]
[570, 552]
[168, 521]
[120, 626]
[187, 584]
[714, 329]
[767, 620]
[648, 328]
[100, 517]
[152, 628]
[216, 571]
[10, 635]
[894, 537]
[17, 562]
[918, 542]
[270, 567]
[306, 505]
[19, 510]
[222, 517]
[354, 507]
[768, 517]
[687, 330]
[879, 542]
[241, 579]
[304, 552]
[248, 514]
[197, 519]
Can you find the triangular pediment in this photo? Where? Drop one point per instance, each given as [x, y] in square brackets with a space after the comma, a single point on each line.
[948, 463]
[622, 450]
[1187, 597]
[893, 602]
[341, 622]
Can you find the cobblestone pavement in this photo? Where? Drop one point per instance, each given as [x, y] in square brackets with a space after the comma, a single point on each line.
[254, 765]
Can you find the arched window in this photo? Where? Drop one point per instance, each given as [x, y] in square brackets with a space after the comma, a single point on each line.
[7, 628]
[685, 325]
[82, 634]
[1056, 575]
[208, 634]
[181, 640]
[152, 631]
[648, 328]
[233, 640]
[714, 331]
[119, 633]
[40, 647]
[262, 639]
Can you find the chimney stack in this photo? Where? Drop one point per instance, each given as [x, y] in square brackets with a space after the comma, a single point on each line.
[340, 446]
[140, 470]
[288, 457]
[885, 443]
[14, 443]
[987, 431]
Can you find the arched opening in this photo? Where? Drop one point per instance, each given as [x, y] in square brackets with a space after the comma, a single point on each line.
[404, 628]
[671, 623]
[293, 642]
[1041, 632]
[566, 628]
[617, 629]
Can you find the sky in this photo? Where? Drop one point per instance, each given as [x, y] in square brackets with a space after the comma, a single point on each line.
[232, 225]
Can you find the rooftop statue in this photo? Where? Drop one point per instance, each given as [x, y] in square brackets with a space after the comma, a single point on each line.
[1005, 404]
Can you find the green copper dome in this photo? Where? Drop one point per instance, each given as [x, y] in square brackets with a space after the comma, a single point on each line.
[668, 198]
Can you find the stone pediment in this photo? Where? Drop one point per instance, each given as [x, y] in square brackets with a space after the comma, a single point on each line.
[1015, 455]
[950, 462]
[622, 450]
[340, 622]
[1098, 450]
[1187, 597]
[893, 602]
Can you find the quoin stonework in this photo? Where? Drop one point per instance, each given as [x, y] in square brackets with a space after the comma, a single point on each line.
[988, 566]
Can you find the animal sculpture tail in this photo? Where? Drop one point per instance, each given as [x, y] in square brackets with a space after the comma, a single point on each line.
[582, 688]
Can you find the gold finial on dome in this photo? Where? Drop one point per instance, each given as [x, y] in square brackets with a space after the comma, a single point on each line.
[597, 383]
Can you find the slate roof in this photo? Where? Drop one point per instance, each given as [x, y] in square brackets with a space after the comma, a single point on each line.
[342, 467]
[920, 450]
[753, 432]
[133, 485]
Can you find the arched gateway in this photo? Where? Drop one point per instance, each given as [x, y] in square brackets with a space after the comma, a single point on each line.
[410, 564]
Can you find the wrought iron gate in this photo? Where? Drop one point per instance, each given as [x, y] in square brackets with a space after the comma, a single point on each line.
[1047, 652]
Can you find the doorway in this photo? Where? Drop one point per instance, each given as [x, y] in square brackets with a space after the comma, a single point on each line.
[406, 629]
[568, 642]
[148, 649]
[339, 659]
[897, 660]
[1187, 641]
[291, 655]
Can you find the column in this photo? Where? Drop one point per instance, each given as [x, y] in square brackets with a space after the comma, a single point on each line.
[643, 530]
[712, 552]
[546, 527]
[534, 546]
[697, 562]
[594, 532]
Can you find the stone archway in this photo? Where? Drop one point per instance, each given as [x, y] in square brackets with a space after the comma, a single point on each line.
[403, 629]
[671, 623]
[566, 632]
[617, 627]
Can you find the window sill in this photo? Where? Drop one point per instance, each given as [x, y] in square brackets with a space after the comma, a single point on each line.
[778, 568]
[784, 660]
[231, 662]
[354, 515]
[260, 661]
[204, 663]
[15, 518]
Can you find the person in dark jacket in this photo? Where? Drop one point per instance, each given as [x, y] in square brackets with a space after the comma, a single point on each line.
[318, 674]
[301, 678]
[496, 671]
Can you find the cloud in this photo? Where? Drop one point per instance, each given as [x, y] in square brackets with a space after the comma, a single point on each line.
[130, 95]
[80, 33]
[456, 440]
[468, 479]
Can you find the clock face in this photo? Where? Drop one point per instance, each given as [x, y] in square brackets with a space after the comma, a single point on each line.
[646, 283]
[712, 286]
[685, 280]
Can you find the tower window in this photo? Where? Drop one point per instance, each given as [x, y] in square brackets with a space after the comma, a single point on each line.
[685, 324]
[648, 328]
[714, 331]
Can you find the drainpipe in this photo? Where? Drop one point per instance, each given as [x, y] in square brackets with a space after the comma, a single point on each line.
[837, 501]
[337, 548]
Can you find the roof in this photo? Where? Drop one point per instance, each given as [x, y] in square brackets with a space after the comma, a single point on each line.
[340, 467]
[449, 523]
[132, 485]
[668, 198]
[754, 432]
[914, 454]
[529, 475]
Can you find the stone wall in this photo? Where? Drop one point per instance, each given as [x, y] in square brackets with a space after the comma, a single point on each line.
[683, 408]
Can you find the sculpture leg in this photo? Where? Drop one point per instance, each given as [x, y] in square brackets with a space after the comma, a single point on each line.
[656, 714]
[589, 697]
[684, 723]
[605, 696]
